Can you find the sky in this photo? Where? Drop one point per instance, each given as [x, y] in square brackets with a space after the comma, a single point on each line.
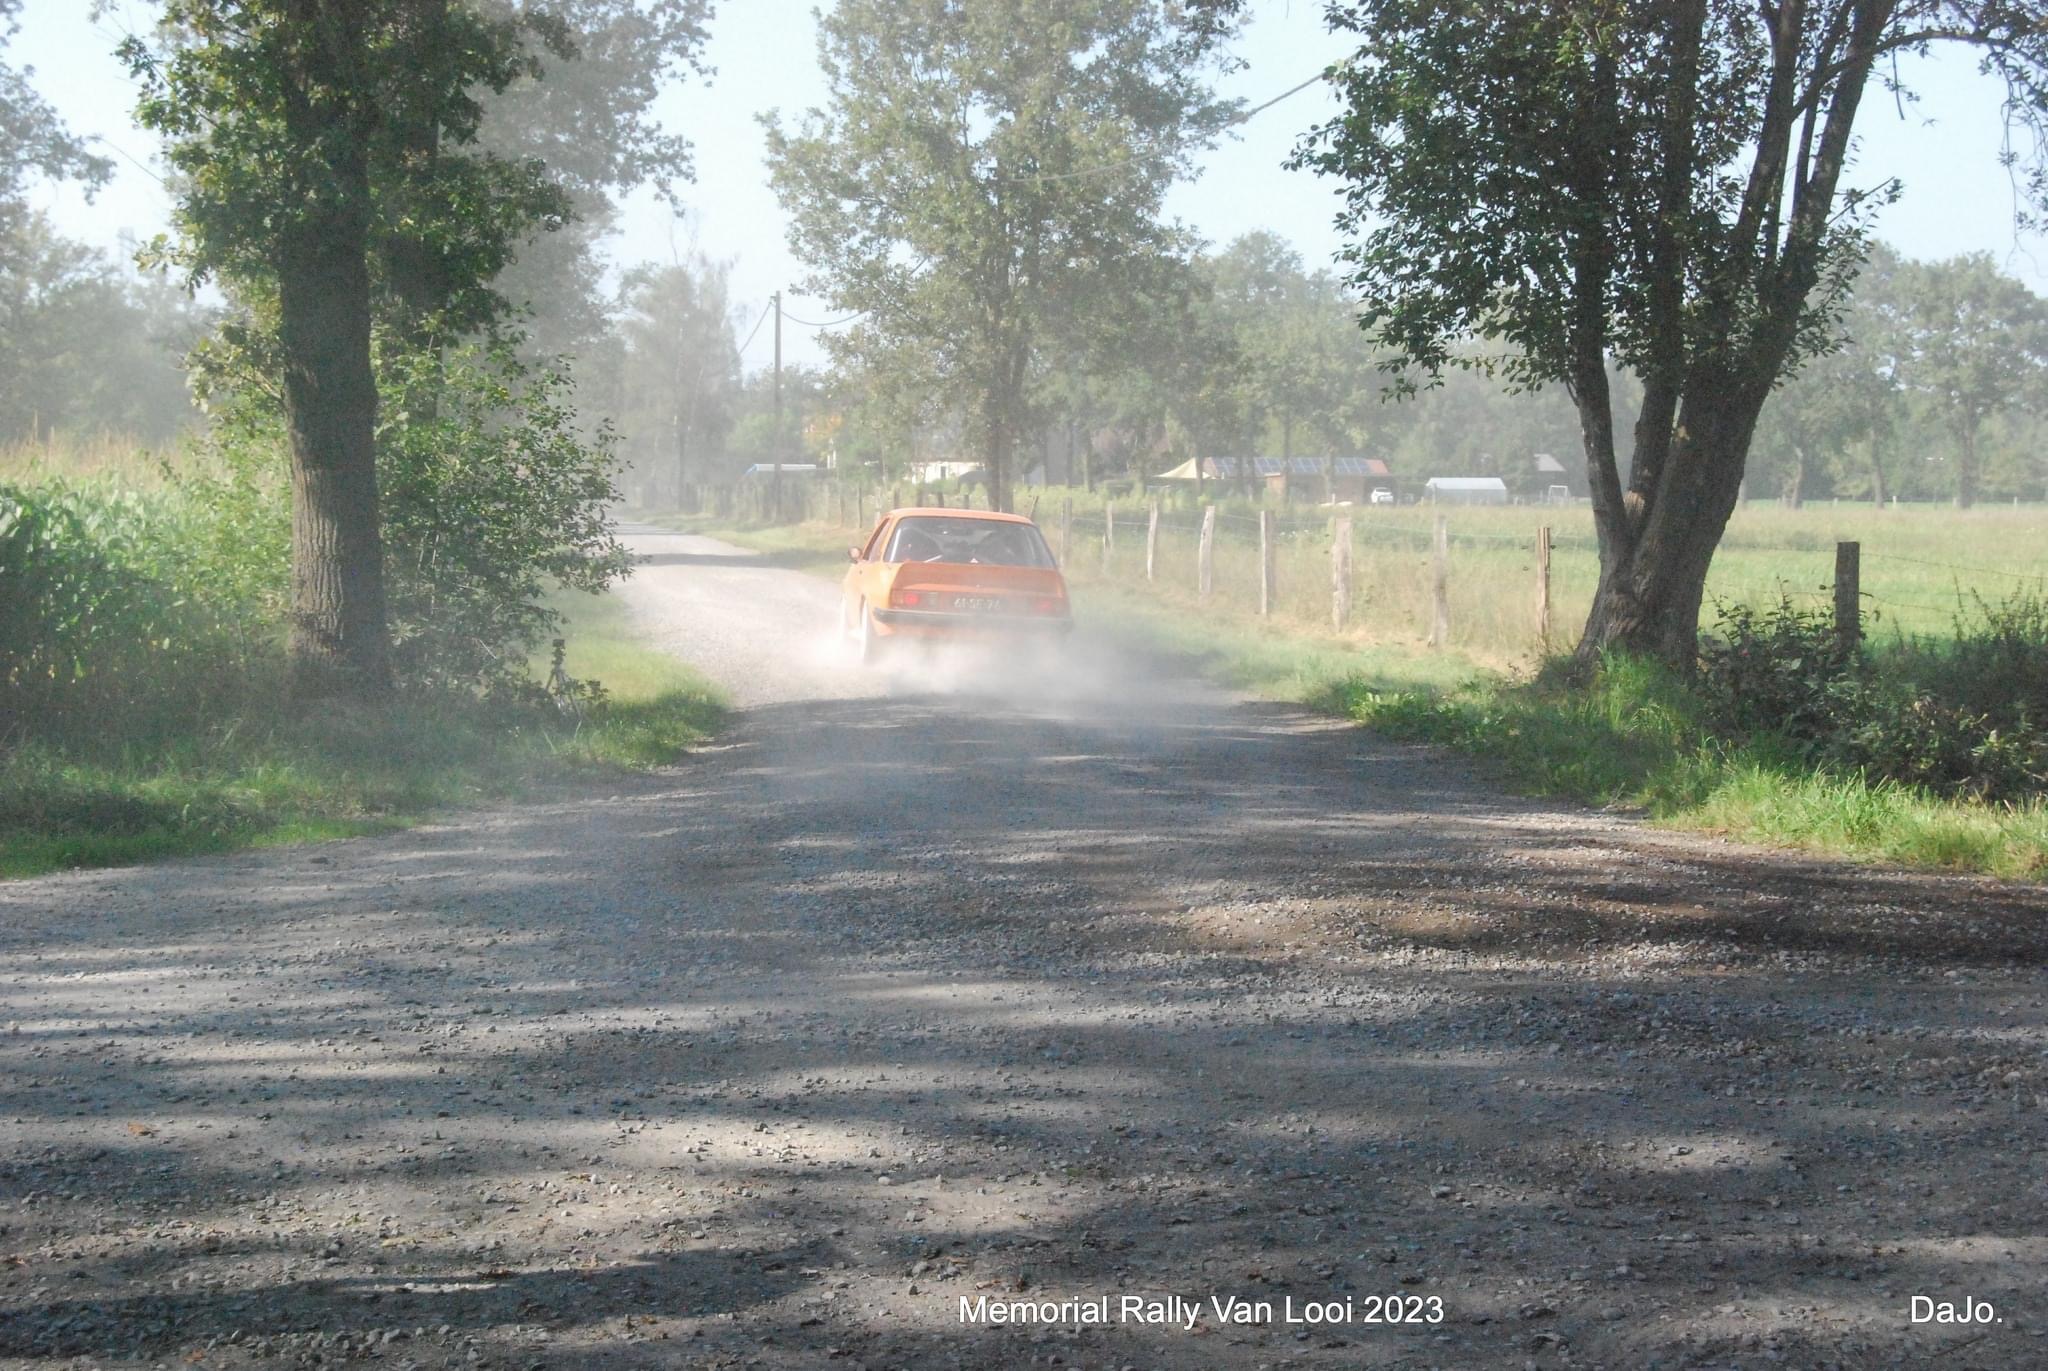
[1957, 198]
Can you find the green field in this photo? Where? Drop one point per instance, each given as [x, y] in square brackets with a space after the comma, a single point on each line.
[1922, 566]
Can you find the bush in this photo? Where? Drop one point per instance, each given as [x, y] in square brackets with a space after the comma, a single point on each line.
[492, 499]
[1780, 671]
[1962, 718]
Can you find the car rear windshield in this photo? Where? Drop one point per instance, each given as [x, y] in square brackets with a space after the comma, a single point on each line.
[932, 538]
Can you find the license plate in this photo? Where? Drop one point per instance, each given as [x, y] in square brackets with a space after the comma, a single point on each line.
[977, 603]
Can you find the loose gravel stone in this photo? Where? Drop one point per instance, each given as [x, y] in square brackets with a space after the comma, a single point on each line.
[1026, 982]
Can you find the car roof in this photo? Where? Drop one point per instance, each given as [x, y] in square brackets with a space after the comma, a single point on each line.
[941, 512]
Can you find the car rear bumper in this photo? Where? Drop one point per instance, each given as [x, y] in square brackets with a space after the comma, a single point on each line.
[935, 622]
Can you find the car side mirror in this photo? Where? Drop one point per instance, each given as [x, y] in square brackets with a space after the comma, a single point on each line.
[853, 554]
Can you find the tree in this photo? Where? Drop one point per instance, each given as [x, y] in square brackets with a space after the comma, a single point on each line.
[1304, 359]
[1655, 183]
[980, 165]
[1974, 343]
[33, 140]
[585, 113]
[680, 371]
[327, 164]
[1841, 417]
[86, 346]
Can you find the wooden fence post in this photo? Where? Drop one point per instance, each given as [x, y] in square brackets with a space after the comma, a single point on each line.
[1205, 554]
[1108, 533]
[1543, 587]
[1340, 573]
[1265, 562]
[1152, 538]
[1848, 595]
[1066, 526]
[1440, 585]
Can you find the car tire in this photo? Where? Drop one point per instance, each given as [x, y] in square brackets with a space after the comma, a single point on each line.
[867, 643]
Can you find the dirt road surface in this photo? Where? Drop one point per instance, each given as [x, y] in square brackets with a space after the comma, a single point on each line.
[1045, 987]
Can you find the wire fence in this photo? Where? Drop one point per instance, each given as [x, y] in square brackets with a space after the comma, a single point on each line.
[1452, 577]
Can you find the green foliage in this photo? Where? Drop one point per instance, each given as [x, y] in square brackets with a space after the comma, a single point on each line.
[142, 701]
[1636, 734]
[33, 140]
[1587, 183]
[586, 114]
[492, 502]
[124, 605]
[255, 771]
[1971, 341]
[679, 376]
[87, 347]
[980, 173]
[283, 121]
[1958, 717]
[1781, 670]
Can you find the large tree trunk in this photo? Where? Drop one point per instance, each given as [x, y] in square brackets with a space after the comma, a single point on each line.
[339, 644]
[1879, 487]
[1653, 580]
[1966, 463]
[1001, 447]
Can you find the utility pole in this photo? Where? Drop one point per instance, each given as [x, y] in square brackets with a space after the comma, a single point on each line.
[775, 484]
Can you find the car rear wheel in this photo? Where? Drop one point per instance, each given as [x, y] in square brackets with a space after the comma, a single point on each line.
[867, 643]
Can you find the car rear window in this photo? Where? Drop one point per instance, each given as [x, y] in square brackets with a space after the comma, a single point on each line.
[932, 538]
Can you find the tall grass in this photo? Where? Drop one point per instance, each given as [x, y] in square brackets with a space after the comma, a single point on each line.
[142, 701]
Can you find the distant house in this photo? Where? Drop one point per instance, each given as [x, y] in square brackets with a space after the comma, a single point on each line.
[1297, 477]
[1548, 480]
[1465, 490]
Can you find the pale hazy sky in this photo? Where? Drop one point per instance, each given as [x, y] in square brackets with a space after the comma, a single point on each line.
[1958, 198]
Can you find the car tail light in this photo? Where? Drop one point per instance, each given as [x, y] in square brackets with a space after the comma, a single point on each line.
[907, 599]
[1048, 604]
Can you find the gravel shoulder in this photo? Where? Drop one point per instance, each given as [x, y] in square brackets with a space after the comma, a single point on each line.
[1003, 980]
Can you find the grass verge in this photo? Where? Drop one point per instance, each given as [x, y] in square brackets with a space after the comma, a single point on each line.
[1633, 738]
[266, 774]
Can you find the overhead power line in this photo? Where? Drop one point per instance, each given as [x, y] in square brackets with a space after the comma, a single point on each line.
[1241, 117]
[828, 323]
[755, 332]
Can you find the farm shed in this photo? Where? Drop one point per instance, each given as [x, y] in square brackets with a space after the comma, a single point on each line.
[1465, 490]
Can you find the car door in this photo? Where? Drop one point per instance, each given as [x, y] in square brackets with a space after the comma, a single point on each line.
[863, 577]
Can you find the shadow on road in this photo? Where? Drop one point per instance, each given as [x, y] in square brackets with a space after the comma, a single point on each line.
[887, 1001]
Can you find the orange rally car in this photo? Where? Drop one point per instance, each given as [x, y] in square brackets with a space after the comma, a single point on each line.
[947, 573]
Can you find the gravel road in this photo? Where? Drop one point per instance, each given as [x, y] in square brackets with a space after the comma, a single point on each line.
[1053, 984]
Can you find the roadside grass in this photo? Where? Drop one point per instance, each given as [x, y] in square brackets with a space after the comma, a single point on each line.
[264, 773]
[1634, 737]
